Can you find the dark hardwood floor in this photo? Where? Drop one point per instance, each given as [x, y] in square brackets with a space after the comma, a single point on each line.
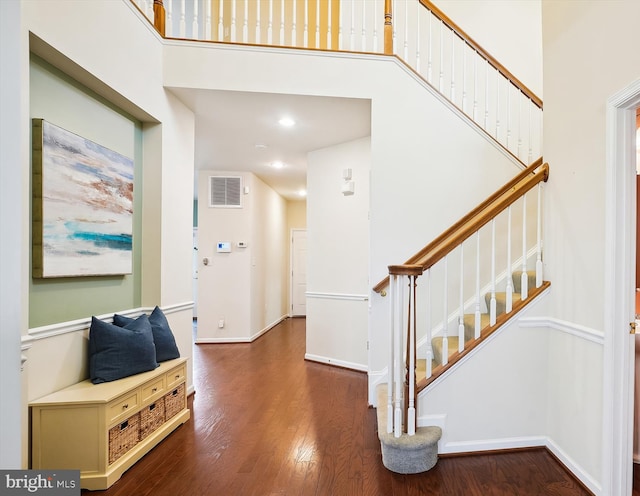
[267, 422]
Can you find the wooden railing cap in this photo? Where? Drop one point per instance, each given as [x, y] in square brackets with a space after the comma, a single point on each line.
[406, 270]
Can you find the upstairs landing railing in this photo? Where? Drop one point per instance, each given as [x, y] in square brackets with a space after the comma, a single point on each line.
[430, 43]
[459, 271]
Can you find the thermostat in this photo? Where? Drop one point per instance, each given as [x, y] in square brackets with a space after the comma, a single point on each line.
[224, 247]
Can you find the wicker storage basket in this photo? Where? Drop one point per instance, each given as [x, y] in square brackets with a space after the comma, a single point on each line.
[151, 417]
[174, 402]
[123, 437]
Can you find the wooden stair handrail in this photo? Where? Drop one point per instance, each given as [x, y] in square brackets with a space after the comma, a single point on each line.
[477, 218]
[481, 51]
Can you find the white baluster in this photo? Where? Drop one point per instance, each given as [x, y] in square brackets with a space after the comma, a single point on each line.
[270, 24]
[375, 28]
[352, 30]
[329, 41]
[245, 23]
[428, 324]
[530, 134]
[294, 34]
[220, 22]
[478, 320]
[411, 409]
[452, 93]
[539, 240]
[207, 26]
[475, 87]
[183, 22]
[486, 96]
[497, 136]
[406, 32]
[390, 367]
[418, 40]
[169, 24]
[399, 363]
[445, 316]
[195, 31]
[508, 84]
[509, 289]
[394, 9]
[441, 79]
[492, 305]
[233, 20]
[524, 292]
[282, 42]
[430, 58]
[464, 77]
[461, 316]
[258, 26]
[519, 124]
[363, 43]
[305, 34]
[317, 24]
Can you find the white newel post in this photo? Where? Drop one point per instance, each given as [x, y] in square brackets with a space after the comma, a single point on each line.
[539, 274]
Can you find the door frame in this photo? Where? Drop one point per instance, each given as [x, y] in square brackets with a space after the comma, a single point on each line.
[291, 288]
[620, 231]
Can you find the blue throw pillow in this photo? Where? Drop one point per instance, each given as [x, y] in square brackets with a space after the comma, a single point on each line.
[116, 352]
[165, 342]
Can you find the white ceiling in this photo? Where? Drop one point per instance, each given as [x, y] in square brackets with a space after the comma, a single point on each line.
[229, 125]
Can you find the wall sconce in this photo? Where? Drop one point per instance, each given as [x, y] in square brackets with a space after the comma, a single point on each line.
[348, 185]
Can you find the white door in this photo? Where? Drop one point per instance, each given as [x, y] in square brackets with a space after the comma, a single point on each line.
[298, 272]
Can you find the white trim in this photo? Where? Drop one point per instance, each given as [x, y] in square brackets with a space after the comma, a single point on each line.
[522, 442]
[333, 361]
[337, 296]
[191, 390]
[492, 444]
[47, 331]
[241, 340]
[375, 379]
[576, 469]
[619, 264]
[572, 328]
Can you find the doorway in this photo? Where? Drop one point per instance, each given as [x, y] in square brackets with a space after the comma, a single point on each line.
[619, 308]
[298, 272]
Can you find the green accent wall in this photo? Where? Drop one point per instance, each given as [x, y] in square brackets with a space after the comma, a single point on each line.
[59, 99]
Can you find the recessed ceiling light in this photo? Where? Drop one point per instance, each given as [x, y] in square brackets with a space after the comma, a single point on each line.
[277, 165]
[302, 192]
[286, 122]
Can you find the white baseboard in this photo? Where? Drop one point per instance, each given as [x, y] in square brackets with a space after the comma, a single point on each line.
[251, 339]
[339, 363]
[575, 468]
[511, 443]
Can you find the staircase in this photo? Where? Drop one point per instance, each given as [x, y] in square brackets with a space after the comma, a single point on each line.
[407, 448]
[453, 355]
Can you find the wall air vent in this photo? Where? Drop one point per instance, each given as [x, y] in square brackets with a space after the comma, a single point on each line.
[224, 192]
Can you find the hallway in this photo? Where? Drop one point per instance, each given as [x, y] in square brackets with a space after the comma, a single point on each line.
[265, 421]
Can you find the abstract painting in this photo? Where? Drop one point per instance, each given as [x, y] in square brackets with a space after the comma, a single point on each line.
[82, 206]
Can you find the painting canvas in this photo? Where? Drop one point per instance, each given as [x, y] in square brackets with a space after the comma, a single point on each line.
[82, 206]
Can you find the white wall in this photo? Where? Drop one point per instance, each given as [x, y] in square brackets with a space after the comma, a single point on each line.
[510, 31]
[247, 288]
[338, 261]
[14, 204]
[590, 53]
[127, 71]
